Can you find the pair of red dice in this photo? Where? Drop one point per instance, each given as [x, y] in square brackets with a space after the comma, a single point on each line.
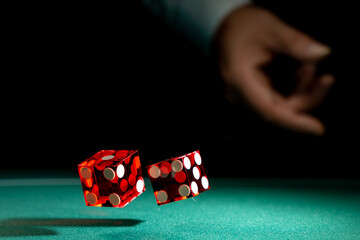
[113, 178]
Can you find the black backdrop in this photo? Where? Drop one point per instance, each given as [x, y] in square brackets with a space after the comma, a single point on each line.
[89, 77]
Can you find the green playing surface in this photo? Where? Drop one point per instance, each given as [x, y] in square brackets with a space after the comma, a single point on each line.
[231, 209]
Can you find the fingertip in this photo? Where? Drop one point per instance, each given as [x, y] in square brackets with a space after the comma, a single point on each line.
[316, 128]
[318, 50]
[323, 86]
[328, 80]
[296, 121]
[309, 125]
[320, 131]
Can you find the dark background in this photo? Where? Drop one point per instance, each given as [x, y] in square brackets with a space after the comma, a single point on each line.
[82, 78]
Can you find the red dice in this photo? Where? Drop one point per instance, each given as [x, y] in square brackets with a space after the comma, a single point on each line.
[178, 178]
[111, 178]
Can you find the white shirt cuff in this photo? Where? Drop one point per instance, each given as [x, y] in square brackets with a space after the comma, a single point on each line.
[198, 20]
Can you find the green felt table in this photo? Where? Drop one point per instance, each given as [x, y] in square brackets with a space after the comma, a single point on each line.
[231, 209]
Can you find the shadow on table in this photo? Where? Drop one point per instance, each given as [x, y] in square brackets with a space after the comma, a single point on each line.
[64, 222]
[35, 226]
[23, 231]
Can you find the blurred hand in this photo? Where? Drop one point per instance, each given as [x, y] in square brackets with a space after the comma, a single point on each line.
[247, 40]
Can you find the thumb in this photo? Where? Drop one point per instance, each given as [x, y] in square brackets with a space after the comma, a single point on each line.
[299, 45]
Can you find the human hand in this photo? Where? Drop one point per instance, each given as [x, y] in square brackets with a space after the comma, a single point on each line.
[247, 40]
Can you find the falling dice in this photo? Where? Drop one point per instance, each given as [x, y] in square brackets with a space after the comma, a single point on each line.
[178, 178]
[111, 178]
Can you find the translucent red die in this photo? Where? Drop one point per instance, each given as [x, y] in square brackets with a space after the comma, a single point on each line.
[111, 178]
[178, 178]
